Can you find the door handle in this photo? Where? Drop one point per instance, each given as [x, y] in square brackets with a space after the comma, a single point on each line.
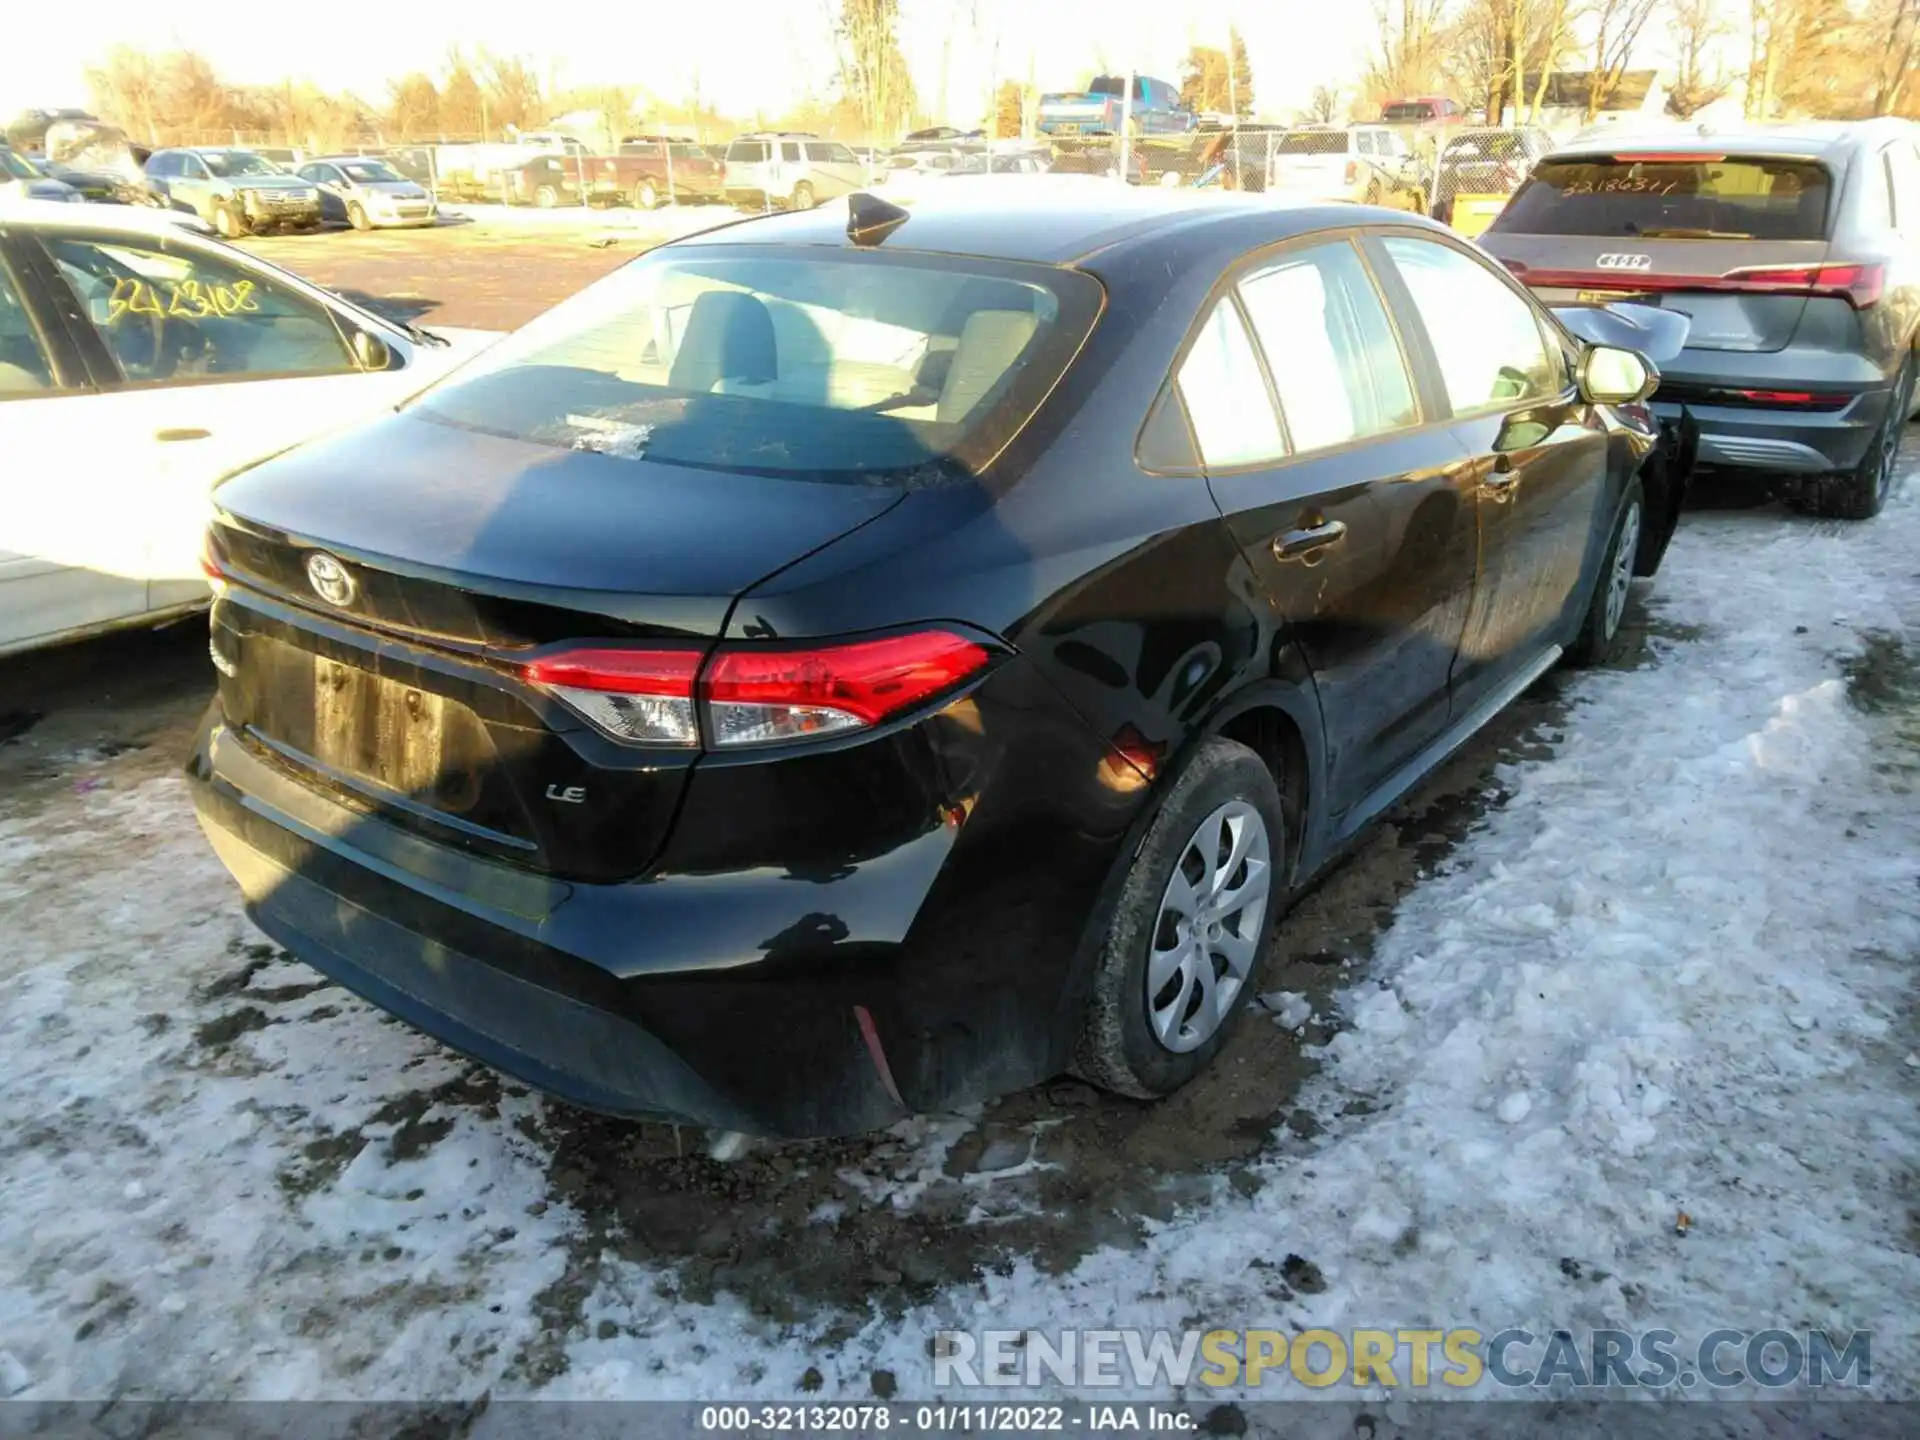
[1309, 540]
[169, 435]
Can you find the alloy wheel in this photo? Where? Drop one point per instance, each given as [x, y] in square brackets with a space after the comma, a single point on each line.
[1620, 581]
[1212, 919]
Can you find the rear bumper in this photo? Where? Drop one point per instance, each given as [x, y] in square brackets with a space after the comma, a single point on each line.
[909, 968]
[1784, 441]
[665, 999]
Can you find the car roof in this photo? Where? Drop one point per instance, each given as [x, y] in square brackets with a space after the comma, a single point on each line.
[1815, 139]
[101, 219]
[1050, 219]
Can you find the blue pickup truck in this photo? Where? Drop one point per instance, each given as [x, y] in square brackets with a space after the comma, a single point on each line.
[1101, 109]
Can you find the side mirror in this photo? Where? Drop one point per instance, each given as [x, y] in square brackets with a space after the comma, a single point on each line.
[1610, 376]
[371, 352]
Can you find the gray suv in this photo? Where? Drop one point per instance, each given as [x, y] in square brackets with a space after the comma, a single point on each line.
[235, 191]
[1795, 251]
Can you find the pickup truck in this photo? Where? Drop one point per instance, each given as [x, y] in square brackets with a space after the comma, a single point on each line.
[638, 175]
[1102, 108]
[659, 166]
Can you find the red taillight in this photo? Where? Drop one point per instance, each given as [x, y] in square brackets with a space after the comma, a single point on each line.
[1667, 157]
[1862, 285]
[1795, 399]
[210, 565]
[641, 695]
[1353, 171]
[1859, 285]
[1516, 268]
[755, 695]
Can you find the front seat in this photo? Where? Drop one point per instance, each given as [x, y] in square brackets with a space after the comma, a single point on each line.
[729, 340]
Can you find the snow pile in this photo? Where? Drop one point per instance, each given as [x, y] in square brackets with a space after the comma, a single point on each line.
[218, 1177]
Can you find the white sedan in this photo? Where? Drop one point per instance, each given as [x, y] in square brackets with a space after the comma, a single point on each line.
[141, 362]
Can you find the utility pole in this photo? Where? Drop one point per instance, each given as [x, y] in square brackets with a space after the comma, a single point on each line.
[1126, 129]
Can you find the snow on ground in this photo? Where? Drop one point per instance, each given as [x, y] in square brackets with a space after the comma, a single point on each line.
[1671, 972]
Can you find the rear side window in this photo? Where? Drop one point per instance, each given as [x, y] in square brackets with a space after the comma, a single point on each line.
[789, 150]
[1706, 198]
[747, 152]
[859, 368]
[1226, 395]
[1329, 347]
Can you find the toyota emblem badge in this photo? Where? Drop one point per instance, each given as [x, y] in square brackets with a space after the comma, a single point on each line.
[329, 579]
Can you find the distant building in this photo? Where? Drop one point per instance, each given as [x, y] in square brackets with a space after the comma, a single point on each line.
[1640, 94]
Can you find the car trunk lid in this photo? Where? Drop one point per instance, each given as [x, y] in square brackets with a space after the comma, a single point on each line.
[386, 589]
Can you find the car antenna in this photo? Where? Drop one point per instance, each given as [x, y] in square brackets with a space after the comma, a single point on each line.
[871, 219]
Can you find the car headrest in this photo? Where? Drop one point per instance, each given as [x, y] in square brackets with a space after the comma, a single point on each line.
[729, 336]
[990, 343]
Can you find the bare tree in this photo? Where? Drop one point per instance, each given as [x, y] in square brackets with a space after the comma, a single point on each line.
[1408, 60]
[1899, 22]
[1324, 105]
[1617, 25]
[873, 72]
[1699, 78]
[413, 107]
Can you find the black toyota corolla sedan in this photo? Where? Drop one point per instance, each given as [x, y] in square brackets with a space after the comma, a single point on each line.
[857, 662]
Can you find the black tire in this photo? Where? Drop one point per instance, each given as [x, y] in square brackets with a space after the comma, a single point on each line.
[546, 197]
[1600, 627]
[803, 196]
[1118, 1049]
[1859, 493]
[357, 216]
[228, 222]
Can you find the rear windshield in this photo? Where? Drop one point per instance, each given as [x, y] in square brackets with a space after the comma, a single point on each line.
[862, 367]
[1312, 142]
[1705, 198]
[747, 152]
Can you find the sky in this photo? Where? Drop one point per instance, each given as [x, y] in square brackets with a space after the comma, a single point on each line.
[360, 45]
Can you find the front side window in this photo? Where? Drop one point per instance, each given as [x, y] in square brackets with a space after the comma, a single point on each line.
[789, 150]
[24, 366]
[192, 167]
[182, 316]
[1329, 347]
[1487, 339]
[818, 152]
[747, 152]
[861, 369]
[1226, 396]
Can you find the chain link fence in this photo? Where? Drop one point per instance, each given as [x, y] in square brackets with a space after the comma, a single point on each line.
[1476, 171]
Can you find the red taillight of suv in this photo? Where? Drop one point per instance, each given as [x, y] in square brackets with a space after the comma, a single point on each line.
[1859, 285]
[755, 695]
[1353, 172]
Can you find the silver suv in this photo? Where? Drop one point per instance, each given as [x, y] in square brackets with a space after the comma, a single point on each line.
[790, 171]
[1795, 251]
